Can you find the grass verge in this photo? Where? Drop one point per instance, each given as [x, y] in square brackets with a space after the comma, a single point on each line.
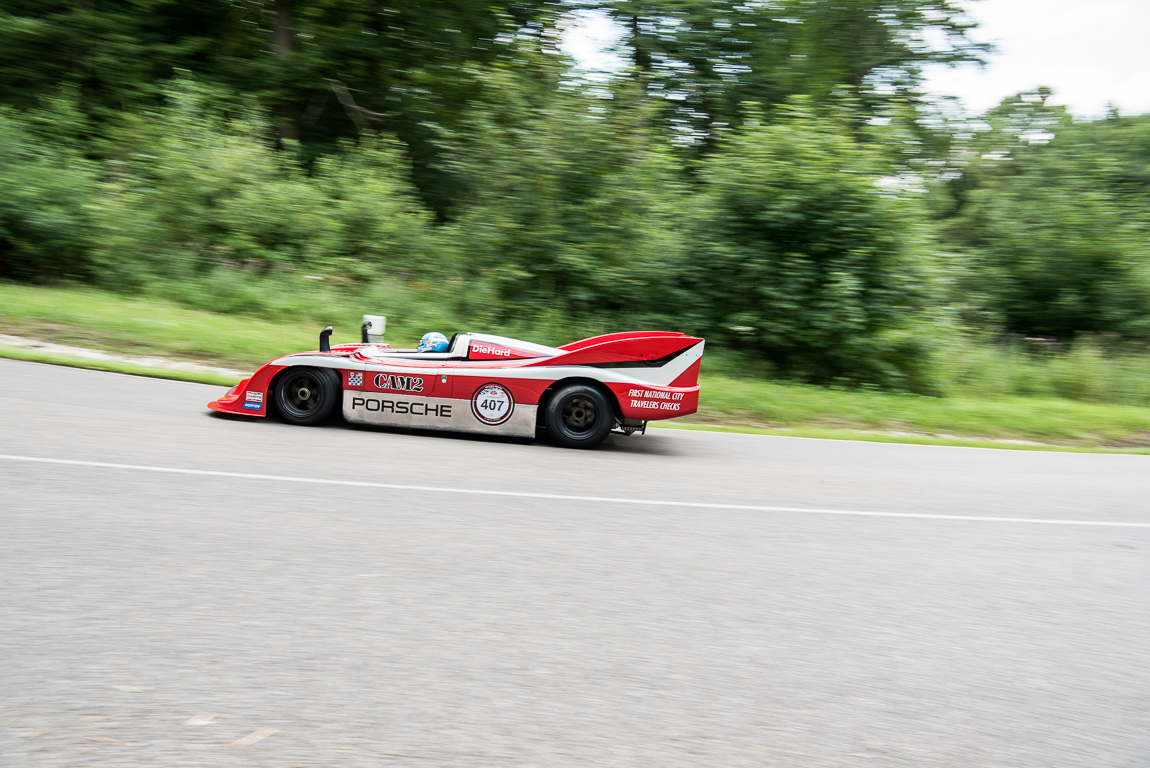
[131, 326]
[115, 366]
[136, 326]
[908, 438]
[773, 406]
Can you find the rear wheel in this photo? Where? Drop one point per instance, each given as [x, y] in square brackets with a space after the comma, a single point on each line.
[307, 395]
[578, 416]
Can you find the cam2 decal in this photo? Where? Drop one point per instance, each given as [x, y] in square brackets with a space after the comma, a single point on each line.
[398, 383]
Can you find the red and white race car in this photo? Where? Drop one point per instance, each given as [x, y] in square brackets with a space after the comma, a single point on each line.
[488, 384]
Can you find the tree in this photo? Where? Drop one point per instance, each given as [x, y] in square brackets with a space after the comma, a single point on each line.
[707, 58]
[330, 69]
[113, 54]
[45, 229]
[1055, 216]
[800, 257]
[569, 204]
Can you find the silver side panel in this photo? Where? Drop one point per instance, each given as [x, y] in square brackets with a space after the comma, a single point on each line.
[401, 410]
[319, 360]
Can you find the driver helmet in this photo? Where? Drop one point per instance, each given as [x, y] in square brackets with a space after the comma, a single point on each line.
[432, 342]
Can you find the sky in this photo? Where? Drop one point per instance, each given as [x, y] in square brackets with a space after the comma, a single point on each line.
[1092, 53]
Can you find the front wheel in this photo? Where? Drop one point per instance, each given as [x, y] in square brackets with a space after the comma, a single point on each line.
[307, 396]
[578, 416]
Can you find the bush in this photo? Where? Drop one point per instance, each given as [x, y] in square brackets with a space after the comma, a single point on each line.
[570, 209]
[1058, 257]
[1054, 217]
[1088, 370]
[45, 224]
[202, 191]
[798, 255]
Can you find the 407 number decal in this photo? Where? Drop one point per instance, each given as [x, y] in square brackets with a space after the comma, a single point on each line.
[492, 404]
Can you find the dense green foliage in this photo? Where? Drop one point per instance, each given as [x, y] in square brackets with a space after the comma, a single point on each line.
[324, 70]
[768, 176]
[1055, 218]
[706, 59]
[44, 227]
[799, 257]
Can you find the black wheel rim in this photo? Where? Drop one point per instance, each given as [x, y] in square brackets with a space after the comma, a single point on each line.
[579, 414]
[302, 392]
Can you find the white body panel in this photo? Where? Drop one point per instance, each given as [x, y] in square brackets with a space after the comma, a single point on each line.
[395, 409]
[660, 376]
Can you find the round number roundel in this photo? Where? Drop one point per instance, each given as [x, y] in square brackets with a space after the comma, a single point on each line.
[492, 404]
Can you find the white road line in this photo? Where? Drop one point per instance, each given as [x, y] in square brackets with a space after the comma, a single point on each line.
[567, 497]
[200, 719]
[253, 737]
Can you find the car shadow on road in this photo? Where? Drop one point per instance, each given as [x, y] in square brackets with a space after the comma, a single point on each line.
[647, 445]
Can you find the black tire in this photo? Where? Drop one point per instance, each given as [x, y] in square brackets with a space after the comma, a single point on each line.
[307, 396]
[578, 416]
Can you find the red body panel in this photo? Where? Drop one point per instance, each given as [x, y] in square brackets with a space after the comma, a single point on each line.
[526, 391]
[689, 377]
[631, 347]
[595, 340]
[258, 384]
[650, 403]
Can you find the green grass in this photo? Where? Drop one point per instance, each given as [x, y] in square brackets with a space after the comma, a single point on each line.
[824, 433]
[974, 416]
[35, 356]
[87, 318]
[1087, 372]
[770, 405]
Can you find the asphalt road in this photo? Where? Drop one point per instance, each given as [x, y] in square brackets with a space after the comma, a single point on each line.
[162, 619]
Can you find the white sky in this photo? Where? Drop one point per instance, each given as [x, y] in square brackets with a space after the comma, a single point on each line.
[1090, 52]
[589, 41]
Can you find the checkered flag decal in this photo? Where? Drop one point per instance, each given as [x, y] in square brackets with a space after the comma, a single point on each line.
[355, 379]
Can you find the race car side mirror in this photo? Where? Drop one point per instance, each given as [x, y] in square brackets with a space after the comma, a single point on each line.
[324, 339]
[373, 325]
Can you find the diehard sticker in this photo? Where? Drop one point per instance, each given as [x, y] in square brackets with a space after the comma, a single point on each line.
[490, 349]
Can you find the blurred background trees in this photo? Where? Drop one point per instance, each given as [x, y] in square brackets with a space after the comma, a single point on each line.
[1054, 218]
[705, 60]
[770, 175]
[796, 253]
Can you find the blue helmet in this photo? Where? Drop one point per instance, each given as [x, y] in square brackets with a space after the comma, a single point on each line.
[432, 342]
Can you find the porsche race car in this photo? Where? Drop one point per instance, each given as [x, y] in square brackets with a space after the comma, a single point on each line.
[578, 393]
